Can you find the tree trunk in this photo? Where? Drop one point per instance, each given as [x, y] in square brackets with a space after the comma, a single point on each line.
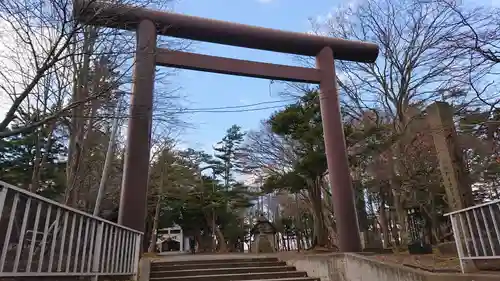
[152, 244]
[401, 218]
[77, 130]
[384, 225]
[222, 240]
[320, 237]
[307, 235]
[40, 160]
[394, 229]
[147, 234]
[198, 240]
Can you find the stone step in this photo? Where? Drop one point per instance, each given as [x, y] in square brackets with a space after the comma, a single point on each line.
[212, 261]
[221, 271]
[238, 276]
[215, 260]
[233, 264]
[290, 279]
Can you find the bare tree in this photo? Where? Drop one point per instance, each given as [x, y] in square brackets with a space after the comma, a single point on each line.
[479, 38]
[416, 65]
[266, 153]
[43, 38]
[61, 76]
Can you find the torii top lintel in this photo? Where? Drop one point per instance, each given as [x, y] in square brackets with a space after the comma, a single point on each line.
[215, 31]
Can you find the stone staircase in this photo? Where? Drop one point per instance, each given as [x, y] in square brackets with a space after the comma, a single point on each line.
[270, 269]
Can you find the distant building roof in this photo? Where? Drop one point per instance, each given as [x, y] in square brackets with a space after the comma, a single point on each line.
[262, 222]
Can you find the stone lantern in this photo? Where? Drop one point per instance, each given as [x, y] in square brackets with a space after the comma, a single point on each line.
[264, 234]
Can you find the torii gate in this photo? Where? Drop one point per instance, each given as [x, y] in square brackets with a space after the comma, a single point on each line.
[148, 24]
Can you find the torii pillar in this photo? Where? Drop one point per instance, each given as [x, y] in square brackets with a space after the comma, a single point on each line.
[150, 23]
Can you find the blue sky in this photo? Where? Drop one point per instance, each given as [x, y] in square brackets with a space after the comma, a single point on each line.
[214, 90]
[207, 90]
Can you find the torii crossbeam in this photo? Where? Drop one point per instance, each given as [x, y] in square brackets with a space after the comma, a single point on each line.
[148, 24]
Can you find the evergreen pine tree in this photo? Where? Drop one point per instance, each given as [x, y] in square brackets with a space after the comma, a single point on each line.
[18, 155]
[227, 155]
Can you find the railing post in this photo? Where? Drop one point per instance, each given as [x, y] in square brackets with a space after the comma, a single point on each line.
[137, 256]
[94, 254]
[458, 240]
[5, 245]
[97, 251]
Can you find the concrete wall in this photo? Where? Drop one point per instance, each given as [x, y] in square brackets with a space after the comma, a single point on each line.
[354, 267]
[322, 266]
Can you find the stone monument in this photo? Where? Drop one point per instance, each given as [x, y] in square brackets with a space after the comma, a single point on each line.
[455, 176]
[453, 169]
[264, 234]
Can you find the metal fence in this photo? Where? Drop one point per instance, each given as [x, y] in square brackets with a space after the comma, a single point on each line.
[477, 232]
[40, 237]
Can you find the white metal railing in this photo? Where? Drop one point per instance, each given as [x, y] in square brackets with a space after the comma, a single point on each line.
[40, 237]
[477, 232]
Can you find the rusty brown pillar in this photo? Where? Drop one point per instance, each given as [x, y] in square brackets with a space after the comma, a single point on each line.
[336, 155]
[135, 172]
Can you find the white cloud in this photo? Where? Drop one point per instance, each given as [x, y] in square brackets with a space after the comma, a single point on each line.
[8, 42]
[181, 146]
[247, 179]
[17, 67]
[4, 105]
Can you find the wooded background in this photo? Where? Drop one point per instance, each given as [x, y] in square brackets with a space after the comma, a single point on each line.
[61, 82]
